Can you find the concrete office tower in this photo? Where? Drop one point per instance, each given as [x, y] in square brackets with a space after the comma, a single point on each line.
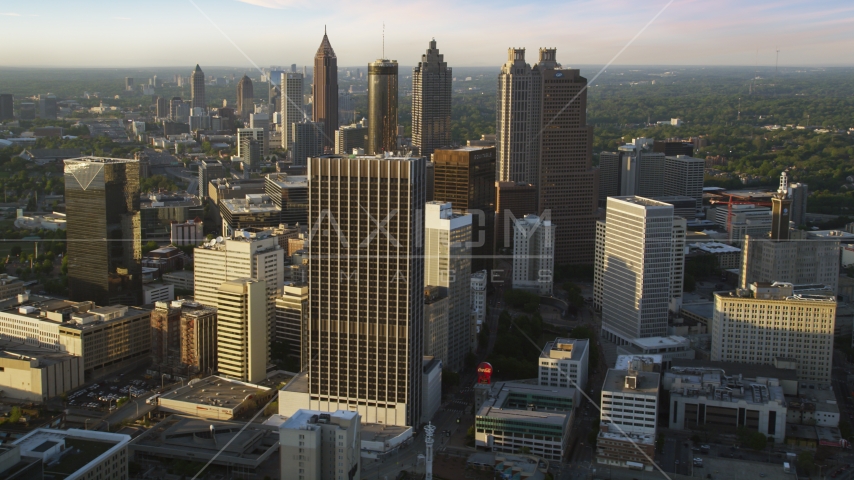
[478, 300]
[176, 109]
[102, 203]
[431, 102]
[290, 194]
[636, 268]
[350, 137]
[512, 200]
[517, 120]
[563, 363]
[630, 396]
[598, 263]
[307, 141]
[292, 318]
[7, 102]
[128, 83]
[292, 105]
[197, 88]
[325, 92]
[382, 107]
[533, 254]
[363, 357]
[798, 193]
[183, 338]
[262, 121]
[641, 169]
[436, 323]
[47, 106]
[242, 342]
[683, 175]
[610, 169]
[770, 323]
[251, 253]
[465, 177]
[245, 97]
[567, 183]
[781, 205]
[447, 263]
[246, 134]
[805, 258]
[208, 170]
[321, 446]
[161, 107]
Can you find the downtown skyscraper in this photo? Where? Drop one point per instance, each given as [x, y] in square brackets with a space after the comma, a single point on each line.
[366, 286]
[103, 230]
[292, 105]
[325, 101]
[382, 107]
[431, 102]
[197, 88]
[543, 139]
[245, 97]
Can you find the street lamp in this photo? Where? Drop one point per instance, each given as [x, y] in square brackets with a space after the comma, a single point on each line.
[162, 376]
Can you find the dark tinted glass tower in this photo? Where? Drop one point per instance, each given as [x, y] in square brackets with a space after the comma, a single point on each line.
[325, 101]
[197, 88]
[431, 102]
[103, 230]
[366, 284]
[245, 95]
[6, 104]
[382, 107]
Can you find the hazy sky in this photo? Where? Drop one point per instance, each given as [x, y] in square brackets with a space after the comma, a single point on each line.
[123, 33]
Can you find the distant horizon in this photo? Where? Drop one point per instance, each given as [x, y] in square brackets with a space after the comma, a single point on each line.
[403, 65]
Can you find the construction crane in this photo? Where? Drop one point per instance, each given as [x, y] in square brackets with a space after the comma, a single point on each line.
[737, 200]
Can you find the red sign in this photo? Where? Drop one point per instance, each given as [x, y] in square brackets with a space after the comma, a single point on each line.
[484, 372]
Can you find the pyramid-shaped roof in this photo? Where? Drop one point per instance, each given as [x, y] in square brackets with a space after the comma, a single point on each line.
[325, 48]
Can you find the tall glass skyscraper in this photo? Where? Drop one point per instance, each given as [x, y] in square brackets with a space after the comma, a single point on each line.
[103, 230]
[197, 88]
[325, 101]
[431, 102]
[382, 107]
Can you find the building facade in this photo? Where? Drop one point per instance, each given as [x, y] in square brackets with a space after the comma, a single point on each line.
[382, 107]
[324, 102]
[292, 319]
[563, 363]
[245, 97]
[534, 254]
[242, 342]
[197, 89]
[351, 137]
[292, 105]
[315, 445]
[431, 102]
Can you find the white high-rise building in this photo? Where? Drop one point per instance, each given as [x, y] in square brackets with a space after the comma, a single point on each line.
[250, 253]
[315, 445]
[241, 330]
[772, 322]
[244, 134]
[262, 121]
[637, 267]
[292, 105]
[630, 396]
[533, 254]
[563, 363]
[478, 300]
[641, 169]
[447, 263]
[518, 120]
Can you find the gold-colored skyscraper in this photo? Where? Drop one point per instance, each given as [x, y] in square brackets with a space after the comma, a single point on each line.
[382, 107]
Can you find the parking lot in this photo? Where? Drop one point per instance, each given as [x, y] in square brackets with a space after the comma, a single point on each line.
[104, 395]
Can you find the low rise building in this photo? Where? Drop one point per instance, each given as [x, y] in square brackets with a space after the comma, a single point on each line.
[518, 415]
[165, 259]
[78, 454]
[728, 256]
[563, 363]
[10, 286]
[181, 279]
[35, 374]
[214, 397]
[630, 396]
[183, 338]
[669, 348]
[157, 292]
[157, 212]
[253, 210]
[815, 404]
[201, 440]
[617, 447]
[191, 232]
[316, 445]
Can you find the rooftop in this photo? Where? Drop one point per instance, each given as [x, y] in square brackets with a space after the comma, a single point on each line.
[214, 390]
[642, 201]
[377, 432]
[252, 203]
[89, 447]
[627, 437]
[179, 199]
[304, 417]
[746, 370]
[79, 315]
[283, 180]
[662, 342]
[100, 160]
[715, 247]
[42, 357]
[565, 348]
[647, 382]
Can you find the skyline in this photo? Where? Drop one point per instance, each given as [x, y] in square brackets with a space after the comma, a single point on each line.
[688, 32]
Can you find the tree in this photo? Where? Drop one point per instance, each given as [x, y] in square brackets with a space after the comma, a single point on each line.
[15, 251]
[149, 246]
[806, 462]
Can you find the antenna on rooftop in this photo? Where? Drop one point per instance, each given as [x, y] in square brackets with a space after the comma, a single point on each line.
[383, 39]
[777, 61]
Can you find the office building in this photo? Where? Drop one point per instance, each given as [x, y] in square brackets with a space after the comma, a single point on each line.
[324, 101]
[262, 121]
[245, 97]
[436, 315]
[252, 211]
[640, 269]
[431, 103]
[250, 253]
[242, 342]
[478, 300]
[610, 175]
[290, 194]
[292, 319]
[183, 338]
[513, 200]
[244, 135]
[447, 263]
[667, 349]
[307, 141]
[598, 266]
[630, 395]
[351, 137]
[517, 121]
[15, 467]
[726, 399]
[27, 111]
[47, 107]
[107, 338]
[685, 207]
[77, 454]
[345, 293]
[153, 292]
[673, 147]
[158, 211]
[197, 89]
[683, 175]
[769, 322]
[161, 107]
[10, 286]
[214, 397]
[563, 363]
[102, 202]
[431, 381]
[534, 254]
[7, 102]
[465, 177]
[34, 374]
[805, 258]
[517, 416]
[190, 232]
[798, 193]
[128, 84]
[640, 170]
[382, 107]
[292, 105]
[314, 445]
[618, 448]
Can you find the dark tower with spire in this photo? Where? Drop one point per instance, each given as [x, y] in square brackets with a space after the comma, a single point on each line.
[325, 89]
[245, 96]
[431, 102]
[197, 88]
